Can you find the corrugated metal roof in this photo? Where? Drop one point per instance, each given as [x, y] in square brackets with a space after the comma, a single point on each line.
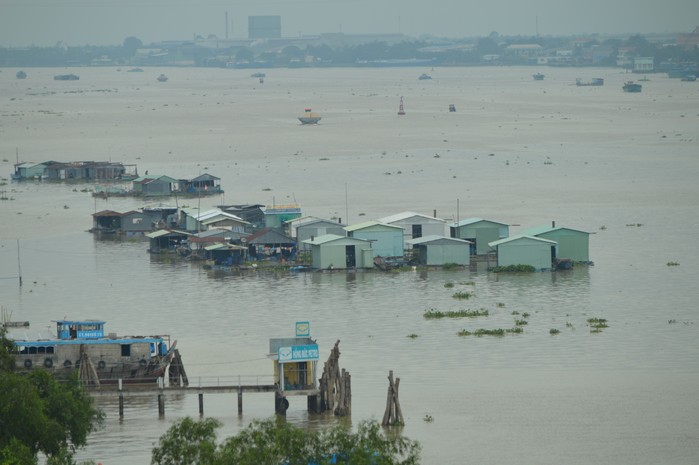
[224, 247]
[326, 238]
[165, 232]
[406, 215]
[519, 237]
[535, 231]
[468, 221]
[434, 237]
[368, 224]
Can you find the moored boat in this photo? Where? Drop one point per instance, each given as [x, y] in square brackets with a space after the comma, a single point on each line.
[309, 117]
[21, 74]
[66, 77]
[424, 77]
[99, 359]
[593, 82]
[162, 78]
[630, 86]
[538, 76]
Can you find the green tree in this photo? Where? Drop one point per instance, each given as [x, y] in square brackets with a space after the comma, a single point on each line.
[131, 44]
[40, 415]
[275, 442]
[188, 443]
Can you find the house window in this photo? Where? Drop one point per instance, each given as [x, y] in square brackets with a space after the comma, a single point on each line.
[417, 231]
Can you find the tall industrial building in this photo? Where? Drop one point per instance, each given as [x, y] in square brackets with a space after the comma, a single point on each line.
[264, 27]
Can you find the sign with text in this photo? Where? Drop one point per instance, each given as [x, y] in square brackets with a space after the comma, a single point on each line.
[298, 353]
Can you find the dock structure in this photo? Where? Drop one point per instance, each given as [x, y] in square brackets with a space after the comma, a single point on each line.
[162, 392]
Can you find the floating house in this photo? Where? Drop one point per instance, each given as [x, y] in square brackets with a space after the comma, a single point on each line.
[277, 215]
[167, 239]
[573, 244]
[131, 223]
[440, 250]
[271, 244]
[90, 171]
[416, 225]
[525, 250]
[154, 185]
[224, 254]
[193, 220]
[252, 213]
[387, 239]
[29, 170]
[317, 228]
[340, 252]
[204, 184]
[479, 232]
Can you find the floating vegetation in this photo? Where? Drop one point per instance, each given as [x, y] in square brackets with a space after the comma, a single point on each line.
[267, 189]
[448, 285]
[433, 314]
[554, 331]
[490, 332]
[462, 295]
[500, 304]
[673, 263]
[637, 225]
[525, 315]
[428, 419]
[468, 283]
[602, 228]
[671, 322]
[521, 322]
[569, 325]
[597, 324]
[515, 312]
[450, 266]
[412, 336]
[513, 269]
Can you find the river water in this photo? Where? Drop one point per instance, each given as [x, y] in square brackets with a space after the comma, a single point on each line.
[524, 152]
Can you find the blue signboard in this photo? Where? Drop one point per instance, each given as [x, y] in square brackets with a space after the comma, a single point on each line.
[298, 353]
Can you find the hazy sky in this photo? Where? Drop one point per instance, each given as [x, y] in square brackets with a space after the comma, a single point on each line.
[109, 22]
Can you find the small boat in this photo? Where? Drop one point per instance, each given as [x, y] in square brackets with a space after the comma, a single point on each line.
[630, 86]
[688, 78]
[309, 117]
[134, 70]
[538, 76]
[66, 77]
[593, 82]
[82, 345]
[424, 77]
[162, 78]
[452, 108]
[258, 75]
[21, 74]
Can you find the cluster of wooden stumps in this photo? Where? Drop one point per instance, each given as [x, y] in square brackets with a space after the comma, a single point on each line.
[335, 385]
[393, 414]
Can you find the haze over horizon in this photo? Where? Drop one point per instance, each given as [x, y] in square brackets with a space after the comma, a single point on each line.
[108, 22]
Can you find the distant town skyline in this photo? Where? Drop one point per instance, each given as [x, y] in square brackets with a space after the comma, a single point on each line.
[109, 22]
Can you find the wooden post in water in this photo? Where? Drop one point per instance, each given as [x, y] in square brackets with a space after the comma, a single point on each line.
[335, 385]
[393, 414]
[240, 400]
[161, 405]
[121, 401]
[201, 404]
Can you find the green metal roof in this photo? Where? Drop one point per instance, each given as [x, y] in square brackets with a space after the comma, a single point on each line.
[368, 224]
[517, 238]
[535, 231]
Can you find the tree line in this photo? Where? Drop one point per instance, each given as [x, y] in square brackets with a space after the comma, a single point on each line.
[453, 52]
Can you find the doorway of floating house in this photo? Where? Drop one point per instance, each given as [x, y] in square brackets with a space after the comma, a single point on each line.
[351, 258]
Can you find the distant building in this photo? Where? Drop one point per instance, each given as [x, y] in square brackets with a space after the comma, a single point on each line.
[264, 27]
[643, 64]
[689, 41]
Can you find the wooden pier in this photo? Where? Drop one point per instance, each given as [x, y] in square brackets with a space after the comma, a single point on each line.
[281, 402]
